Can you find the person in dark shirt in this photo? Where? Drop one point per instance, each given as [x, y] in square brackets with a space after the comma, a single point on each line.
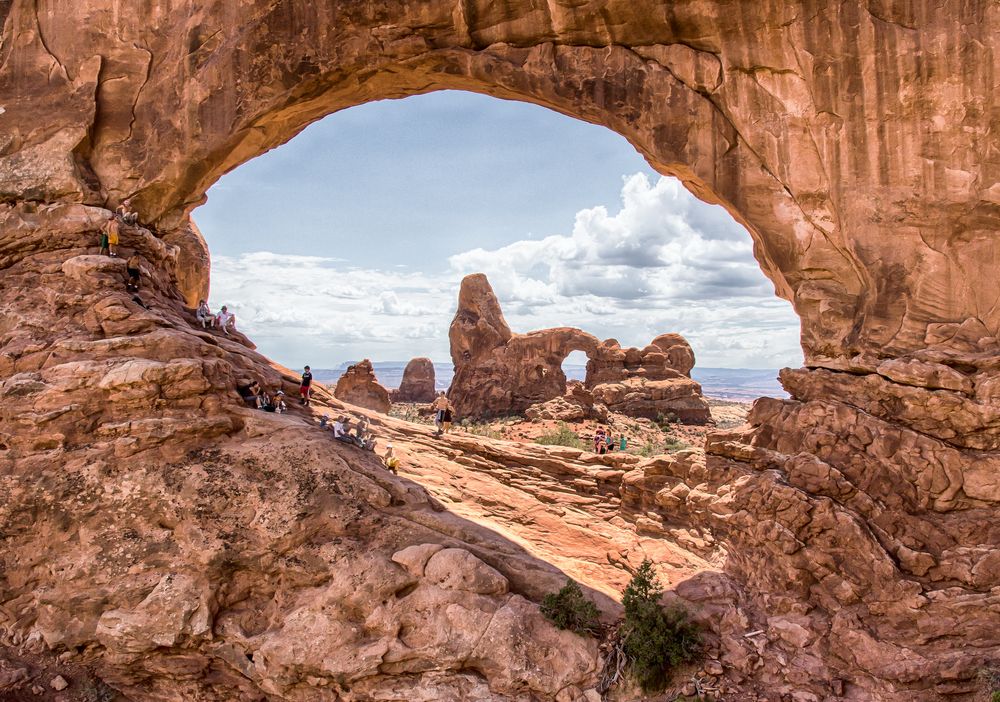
[306, 387]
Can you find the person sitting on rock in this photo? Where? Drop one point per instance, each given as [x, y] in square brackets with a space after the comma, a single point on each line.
[363, 435]
[599, 445]
[125, 213]
[204, 314]
[133, 270]
[324, 422]
[276, 403]
[225, 320]
[390, 460]
[342, 428]
[251, 395]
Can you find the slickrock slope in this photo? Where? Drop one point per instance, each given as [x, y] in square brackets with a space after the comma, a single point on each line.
[156, 531]
[358, 386]
[417, 384]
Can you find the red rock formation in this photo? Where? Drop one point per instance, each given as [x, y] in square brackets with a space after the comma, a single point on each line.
[358, 386]
[654, 382]
[575, 405]
[500, 373]
[497, 372]
[417, 384]
[853, 522]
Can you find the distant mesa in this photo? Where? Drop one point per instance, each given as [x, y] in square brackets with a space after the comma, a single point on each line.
[498, 372]
[358, 386]
[418, 382]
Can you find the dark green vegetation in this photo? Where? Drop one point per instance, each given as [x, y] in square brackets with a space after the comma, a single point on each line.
[569, 609]
[655, 640]
[563, 436]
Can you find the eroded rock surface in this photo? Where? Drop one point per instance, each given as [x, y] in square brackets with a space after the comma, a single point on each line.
[417, 384]
[851, 526]
[358, 386]
[499, 373]
[653, 382]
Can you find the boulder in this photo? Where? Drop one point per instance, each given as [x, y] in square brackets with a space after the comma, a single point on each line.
[418, 382]
[358, 386]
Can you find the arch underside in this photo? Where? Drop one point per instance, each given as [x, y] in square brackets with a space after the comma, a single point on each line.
[854, 148]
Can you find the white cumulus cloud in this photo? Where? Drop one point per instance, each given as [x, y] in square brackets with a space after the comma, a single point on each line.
[665, 262]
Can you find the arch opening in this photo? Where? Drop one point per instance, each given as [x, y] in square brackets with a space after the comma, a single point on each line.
[601, 274]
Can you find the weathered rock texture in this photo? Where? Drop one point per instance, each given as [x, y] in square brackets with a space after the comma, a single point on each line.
[358, 386]
[417, 384]
[575, 405]
[853, 524]
[180, 545]
[654, 382]
[498, 372]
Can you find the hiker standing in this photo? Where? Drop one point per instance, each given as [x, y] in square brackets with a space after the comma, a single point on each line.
[439, 406]
[113, 230]
[446, 416]
[109, 236]
[132, 267]
[306, 387]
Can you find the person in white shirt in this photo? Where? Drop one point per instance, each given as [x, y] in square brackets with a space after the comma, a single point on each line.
[226, 320]
[339, 431]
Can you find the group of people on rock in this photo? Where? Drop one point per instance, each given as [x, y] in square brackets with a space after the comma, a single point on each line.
[360, 434]
[604, 441]
[224, 320]
[109, 239]
[255, 396]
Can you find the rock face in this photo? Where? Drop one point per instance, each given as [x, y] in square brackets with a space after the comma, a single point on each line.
[499, 373]
[575, 405]
[654, 382]
[417, 384]
[853, 523]
[358, 386]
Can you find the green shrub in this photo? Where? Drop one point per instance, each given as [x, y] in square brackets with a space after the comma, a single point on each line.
[563, 436]
[995, 697]
[655, 640]
[657, 448]
[569, 609]
[482, 429]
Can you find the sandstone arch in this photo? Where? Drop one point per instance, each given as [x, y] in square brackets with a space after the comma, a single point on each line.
[855, 140]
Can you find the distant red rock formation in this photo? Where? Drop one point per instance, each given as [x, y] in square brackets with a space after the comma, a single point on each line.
[498, 372]
[358, 386]
[418, 382]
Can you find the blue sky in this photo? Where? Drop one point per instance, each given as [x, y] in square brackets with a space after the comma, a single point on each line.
[350, 240]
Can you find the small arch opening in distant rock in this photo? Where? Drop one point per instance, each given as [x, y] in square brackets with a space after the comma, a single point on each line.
[574, 366]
